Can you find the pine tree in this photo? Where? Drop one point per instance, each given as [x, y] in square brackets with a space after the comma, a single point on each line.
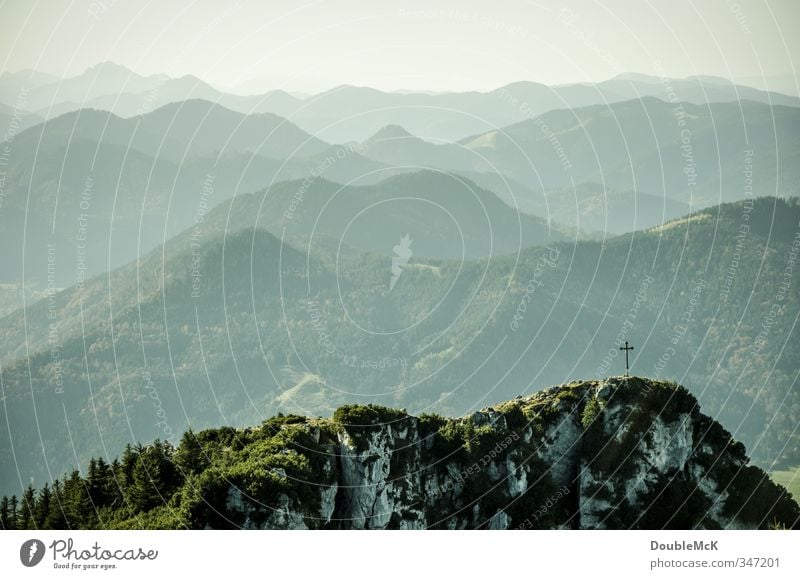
[190, 457]
[129, 457]
[144, 494]
[115, 485]
[171, 477]
[74, 501]
[55, 517]
[42, 513]
[91, 497]
[104, 484]
[97, 482]
[5, 513]
[91, 479]
[154, 477]
[27, 508]
[13, 513]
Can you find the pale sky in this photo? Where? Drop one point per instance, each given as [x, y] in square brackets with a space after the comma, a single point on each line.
[441, 45]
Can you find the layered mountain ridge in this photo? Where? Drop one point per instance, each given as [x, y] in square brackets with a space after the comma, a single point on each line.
[230, 326]
[349, 112]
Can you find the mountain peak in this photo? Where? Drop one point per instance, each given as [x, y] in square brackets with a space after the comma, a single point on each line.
[193, 105]
[636, 77]
[391, 132]
[522, 85]
[109, 68]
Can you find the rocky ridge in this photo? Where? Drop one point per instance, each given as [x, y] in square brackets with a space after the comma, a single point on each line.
[610, 454]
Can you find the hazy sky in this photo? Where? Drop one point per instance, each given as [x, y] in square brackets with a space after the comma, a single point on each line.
[402, 44]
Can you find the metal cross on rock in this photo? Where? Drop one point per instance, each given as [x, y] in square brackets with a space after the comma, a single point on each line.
[627, 349]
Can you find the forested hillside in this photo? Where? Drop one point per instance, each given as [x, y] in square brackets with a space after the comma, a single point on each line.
[226, 329]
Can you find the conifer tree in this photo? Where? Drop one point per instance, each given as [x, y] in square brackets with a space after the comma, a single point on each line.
[5, 513]
[115, 482]
[189, 456]
[150, 479]
[74, 503]
[55, 515]
[13, 513]
[42, 512]
[27, 508]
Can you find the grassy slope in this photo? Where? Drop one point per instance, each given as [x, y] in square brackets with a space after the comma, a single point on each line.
[789, 478]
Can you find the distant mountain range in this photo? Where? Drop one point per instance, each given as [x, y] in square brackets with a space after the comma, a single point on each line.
[680, 155]
[446, 216]
[349, 113]
[103, 204]
[131, 184]
[226, 324]
[701, 155]
[181, 130]
[126, 185]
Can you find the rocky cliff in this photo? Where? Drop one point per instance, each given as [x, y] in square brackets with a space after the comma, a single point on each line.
[612, 454]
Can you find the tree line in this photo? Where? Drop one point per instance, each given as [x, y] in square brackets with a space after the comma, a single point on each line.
[143, 478]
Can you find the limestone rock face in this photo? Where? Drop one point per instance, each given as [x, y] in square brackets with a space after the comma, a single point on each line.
[619, 453]
[372, 491]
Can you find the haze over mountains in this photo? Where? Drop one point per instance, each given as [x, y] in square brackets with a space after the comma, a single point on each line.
[696, 155]
[139, 181]
[228, 327]
[201, 258]
[350, 113]
[593, 170]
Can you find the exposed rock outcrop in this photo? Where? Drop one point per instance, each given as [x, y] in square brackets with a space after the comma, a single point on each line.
[619, 453]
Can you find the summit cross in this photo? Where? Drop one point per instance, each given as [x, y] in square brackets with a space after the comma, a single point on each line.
[627, 349]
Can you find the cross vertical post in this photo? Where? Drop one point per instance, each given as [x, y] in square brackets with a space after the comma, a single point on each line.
[627, 349]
